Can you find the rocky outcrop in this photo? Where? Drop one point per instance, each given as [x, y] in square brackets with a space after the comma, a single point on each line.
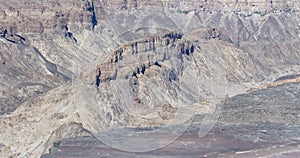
[73, 67]
[85, 14]
[144, 53]
[43, 17]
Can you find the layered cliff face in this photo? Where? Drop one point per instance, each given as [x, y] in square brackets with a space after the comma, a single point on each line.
[134, 64]
[40, 17]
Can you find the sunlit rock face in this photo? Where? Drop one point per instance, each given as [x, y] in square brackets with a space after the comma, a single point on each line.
[67, 65]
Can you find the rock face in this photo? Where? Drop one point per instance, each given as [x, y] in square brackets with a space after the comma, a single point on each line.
[26, 73]
[146, 64]
[54, 37]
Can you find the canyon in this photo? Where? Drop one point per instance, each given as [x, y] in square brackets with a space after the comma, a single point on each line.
[76, 72]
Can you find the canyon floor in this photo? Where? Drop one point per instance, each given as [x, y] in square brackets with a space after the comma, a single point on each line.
[250, 130]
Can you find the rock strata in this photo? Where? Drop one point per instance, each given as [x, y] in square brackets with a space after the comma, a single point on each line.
[75, 68]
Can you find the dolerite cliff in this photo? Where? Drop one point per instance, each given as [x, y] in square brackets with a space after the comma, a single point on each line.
[67, 65]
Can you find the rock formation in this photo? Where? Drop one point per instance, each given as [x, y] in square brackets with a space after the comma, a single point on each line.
[143, 64]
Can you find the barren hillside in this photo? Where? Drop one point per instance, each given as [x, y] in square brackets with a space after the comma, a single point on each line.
[97, 67]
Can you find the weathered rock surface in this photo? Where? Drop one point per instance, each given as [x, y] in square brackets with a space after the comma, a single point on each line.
[250, 125]
[60, 59]
[56, 36]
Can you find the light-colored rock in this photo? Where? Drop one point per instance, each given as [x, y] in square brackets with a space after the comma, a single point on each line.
[48, 80]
